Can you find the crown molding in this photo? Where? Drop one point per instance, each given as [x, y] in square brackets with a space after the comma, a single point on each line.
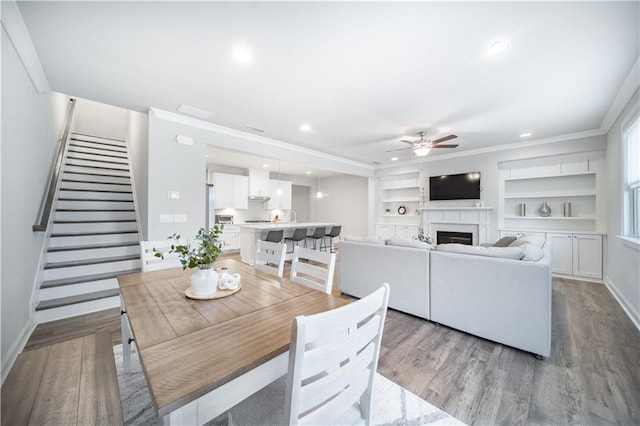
[364, 168]
[497, 148]
[629, 87]
[14, 25]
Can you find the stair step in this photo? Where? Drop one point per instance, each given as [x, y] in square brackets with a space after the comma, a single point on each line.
[92, 246]
[56, 292]
[88, 170]
[94, 205]
[104, 165]
[69, 264]
[66, 194]
[86, 278]
[79, 234]
[97, 158]
[93, 215]
[99, 188]
[79, 179]
[131, 262]
[72, 300]
[98, 139]
[91, 227]
[85, 150]
[59, 241]
[91, 254]
[96, 146]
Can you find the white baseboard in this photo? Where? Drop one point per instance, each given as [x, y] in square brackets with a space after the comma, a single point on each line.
[16, 348]
[626, 306]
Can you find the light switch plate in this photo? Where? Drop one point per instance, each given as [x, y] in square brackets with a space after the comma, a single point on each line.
[173, 195]
[180, 218]
[166, 218]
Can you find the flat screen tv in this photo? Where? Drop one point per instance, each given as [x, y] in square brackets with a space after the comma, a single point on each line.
[464, 186]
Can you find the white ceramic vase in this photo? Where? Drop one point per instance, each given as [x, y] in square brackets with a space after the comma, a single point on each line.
[204, 282]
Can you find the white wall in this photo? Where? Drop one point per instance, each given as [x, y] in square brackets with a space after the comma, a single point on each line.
[31, 126]
[138, 140]
[622, 274]
[345, 201]
[487, 165]
[175, 167]
[98, 119]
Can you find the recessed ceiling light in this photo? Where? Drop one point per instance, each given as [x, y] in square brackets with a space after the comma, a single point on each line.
[266, 166]
[497, 48]
[525, 135]
[206, 156]
[394, 158]
[308, 172]
[242, 54]
[305, 127]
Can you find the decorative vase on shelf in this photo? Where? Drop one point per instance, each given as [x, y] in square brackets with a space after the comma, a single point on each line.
[544, 210]
[205, 281]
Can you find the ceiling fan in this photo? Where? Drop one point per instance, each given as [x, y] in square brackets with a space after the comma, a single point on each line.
[422, 146]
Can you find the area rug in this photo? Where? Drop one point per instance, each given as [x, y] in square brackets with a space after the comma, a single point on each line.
[392, 404]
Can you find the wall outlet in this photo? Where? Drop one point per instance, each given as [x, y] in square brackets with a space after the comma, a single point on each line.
[180, 218]
[173, 195]
[166, 218]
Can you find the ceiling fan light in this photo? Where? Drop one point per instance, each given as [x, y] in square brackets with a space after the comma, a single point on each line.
[422, 151]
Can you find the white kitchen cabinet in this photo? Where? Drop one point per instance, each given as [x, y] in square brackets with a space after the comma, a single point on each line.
[279, 202]
[518, 234]
[231, 191]
[386, 231]
[578, 255]
[258, 182]
[231, 238]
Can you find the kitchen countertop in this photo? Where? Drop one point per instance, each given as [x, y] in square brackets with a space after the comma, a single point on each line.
[288, 225]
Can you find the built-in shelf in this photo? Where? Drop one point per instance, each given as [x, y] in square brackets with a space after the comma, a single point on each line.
[401, 215]
[402, 200]
[551, 217]
[550, 176]
[552, 194]
[395, 191]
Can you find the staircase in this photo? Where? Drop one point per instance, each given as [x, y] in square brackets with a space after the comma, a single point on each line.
[95, 233]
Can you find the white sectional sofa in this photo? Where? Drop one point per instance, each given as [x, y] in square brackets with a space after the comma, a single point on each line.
[504, 300]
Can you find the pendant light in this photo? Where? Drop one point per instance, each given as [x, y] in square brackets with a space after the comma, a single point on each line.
[279, 190]
[319, 193]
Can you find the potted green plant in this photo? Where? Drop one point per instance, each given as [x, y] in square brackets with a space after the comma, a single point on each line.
[422, 237]
[205, 280]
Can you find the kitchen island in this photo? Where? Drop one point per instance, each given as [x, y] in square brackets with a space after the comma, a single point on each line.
[251, 233]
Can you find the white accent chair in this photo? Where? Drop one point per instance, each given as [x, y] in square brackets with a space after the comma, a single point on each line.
[270, 257]
[333, 357]
[152, 263]
[317, 275]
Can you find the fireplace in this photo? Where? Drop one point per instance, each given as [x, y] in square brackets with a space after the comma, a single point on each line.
[446, 237]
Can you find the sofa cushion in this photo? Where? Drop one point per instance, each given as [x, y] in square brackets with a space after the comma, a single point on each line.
[515, 253]
[370, 240]
[504, 241]
[402, 242]
[532, 253]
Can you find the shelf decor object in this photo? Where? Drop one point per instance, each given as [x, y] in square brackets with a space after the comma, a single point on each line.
[522, 209]
[402, 210]
[566, 209]
[544, 210]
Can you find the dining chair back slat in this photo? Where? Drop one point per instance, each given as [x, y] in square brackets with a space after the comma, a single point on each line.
[150, 262]
[316, 272]
[270, 257]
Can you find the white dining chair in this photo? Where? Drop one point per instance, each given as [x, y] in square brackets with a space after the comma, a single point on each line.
[148, 257]
[270, 257]
[313, 269]
[333, 357]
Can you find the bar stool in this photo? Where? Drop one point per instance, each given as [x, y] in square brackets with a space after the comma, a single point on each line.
[298, 235]
[318, 234]
[335, 232]
[274, 236]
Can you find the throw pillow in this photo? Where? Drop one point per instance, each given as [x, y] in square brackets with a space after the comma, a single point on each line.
[515, 253]
[532, 253]
[401, 242]
[370, 240]
[504, 241]
[528, 239]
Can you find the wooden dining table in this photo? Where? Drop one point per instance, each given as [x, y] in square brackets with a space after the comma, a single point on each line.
[202, 357]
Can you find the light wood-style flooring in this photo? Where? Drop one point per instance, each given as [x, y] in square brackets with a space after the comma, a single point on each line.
[591, 378]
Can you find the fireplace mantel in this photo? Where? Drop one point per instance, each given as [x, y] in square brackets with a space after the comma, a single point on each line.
[458, 219]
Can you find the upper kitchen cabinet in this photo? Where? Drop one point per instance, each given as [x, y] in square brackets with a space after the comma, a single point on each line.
[258, 183]
[231, 191]
[280, 200]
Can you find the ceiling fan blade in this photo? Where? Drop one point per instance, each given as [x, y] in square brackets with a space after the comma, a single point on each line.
[406, 141]
[445, 146]
[443, 139]
[399, 149]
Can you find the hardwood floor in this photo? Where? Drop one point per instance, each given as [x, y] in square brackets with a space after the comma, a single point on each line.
[592, 376]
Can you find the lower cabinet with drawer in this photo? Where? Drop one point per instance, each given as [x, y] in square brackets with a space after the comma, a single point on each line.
[231, 237]
[386, 231]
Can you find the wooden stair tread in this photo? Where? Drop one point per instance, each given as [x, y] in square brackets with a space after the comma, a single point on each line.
[72, 263]
[85, 278]
[96, 174]
[94, 199]
[76, 149]
[110, 191]
[91, 246]
[94, 182]
[75, 135]
[94, 221]
[86, 234]
[95, 210]
[79, 298]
